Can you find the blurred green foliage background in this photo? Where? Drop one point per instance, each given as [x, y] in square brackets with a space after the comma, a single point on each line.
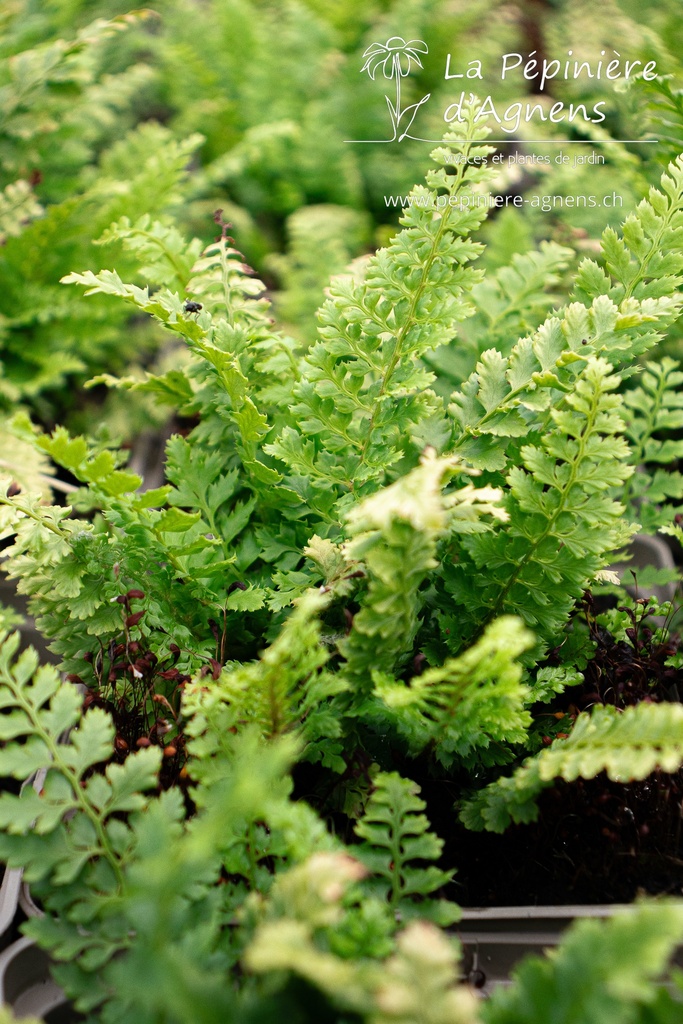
[246, 105]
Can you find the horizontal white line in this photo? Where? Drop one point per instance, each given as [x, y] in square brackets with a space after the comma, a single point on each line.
[516, 142]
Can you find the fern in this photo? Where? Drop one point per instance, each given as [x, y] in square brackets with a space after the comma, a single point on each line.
[605, 971]
[160, 250]
[508, 304]
[563, 522]
[395, 534]
[628, 745]
[613, 320]
[288, 689]
[645, 261]
[95, 844]
[395, 835]
[362, 392]
[467, 708]
[655, 407]
[322, 239]
[417, 984]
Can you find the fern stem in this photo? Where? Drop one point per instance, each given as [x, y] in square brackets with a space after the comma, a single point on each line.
[34, 515]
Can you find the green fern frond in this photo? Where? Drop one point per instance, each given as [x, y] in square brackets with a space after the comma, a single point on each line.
[654, 411]
[563, 521]
[508, 305]
[603, 970]
[395, 835]
[163, 255]
[628, 745]
[286, 690]
[645, 261]
[394, 534]
[362, 389]
[72, 825]
[464, 708]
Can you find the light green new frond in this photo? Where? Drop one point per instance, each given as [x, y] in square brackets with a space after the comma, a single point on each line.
[627, 745]
[285, 690]
[223, 281]
[605, 971]
[395, 835]
[421, 982]
[304, 902]
[470, 703]
[394, 534]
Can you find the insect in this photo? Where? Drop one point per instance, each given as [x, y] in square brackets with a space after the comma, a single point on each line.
[192, 307]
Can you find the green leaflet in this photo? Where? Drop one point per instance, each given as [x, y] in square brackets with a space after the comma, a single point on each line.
[628, 745]
[654, 408]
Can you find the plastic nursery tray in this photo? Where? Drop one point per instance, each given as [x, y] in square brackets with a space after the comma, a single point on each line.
[27, 987]
[495, 939]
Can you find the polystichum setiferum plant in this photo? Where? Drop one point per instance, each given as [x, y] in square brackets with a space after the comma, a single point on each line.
[432, 551]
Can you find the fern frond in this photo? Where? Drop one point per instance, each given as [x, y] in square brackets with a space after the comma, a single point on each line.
[72, 826]
[653, 409]
[286, 690]
[362, 389]
[421, 982]
[628, 745]
[394, 533]
[464, 708]
[508, 305]
[395, 834]
[563, 520]
[163, 255]
[645, 261]
[603, 970]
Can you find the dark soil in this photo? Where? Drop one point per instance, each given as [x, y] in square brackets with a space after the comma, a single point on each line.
[595, 841]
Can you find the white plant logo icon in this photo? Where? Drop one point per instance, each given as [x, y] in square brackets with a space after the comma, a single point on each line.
[396, 58]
